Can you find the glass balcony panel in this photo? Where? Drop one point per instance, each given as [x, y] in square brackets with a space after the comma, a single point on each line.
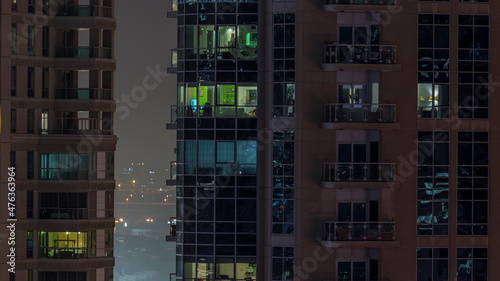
[342, 232]
[372, 232]
[83, 52]
[358, 172]
[359, 231]
[387, 231]
[360, 54]
[359, 113]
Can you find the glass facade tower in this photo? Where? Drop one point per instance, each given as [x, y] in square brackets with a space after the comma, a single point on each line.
[217, 140]
[347, 140]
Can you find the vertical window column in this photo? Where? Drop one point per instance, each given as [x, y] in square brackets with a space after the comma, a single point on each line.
[284, 65]
[283, 182]
[433, 66]
[473, 66]
[433, 182]
[472, 264]
[283, 263]
[472, 190]
[432, 264]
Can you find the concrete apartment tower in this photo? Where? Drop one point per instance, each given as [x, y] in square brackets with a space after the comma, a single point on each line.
[57, 104]
[337, 140]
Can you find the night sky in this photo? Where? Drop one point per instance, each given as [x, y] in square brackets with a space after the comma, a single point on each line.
[144, 38]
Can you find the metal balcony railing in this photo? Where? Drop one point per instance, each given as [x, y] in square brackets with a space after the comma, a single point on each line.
[173, 57]
[84, 93]
[359, 231]
[64, 253]
[74, 174]
[173, 171]
[360, 54]
[359, 172]
[83, 52]
[360, 113]
[360, 2]
[206, 111]
[76, 126]
[63, 213]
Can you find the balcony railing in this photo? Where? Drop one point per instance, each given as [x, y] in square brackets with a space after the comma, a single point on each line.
[205, 111]
[83, 52]
[64, 253]
[173, 170]
[74, 174]
[360, 54]
[359, 172]
[76, 126]
[173, 57]
[360, 2]
[359, 231]
[83, 93]
[85, 11]
[360, 113]
[60, 213]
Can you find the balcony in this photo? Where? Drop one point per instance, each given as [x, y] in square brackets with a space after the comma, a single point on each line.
[173, 174]
[74, 174]
[359, 234]
[83, 94]
[359, 116]
[85, 11]
[360, 57]
[63, 213]
[65, 252]
[173, 62]
[75, 126]
[173, 11]
[357, 5]
[83, 52]
[208, 111]
[355, 175]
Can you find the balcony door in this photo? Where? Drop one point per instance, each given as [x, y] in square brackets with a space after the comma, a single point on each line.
[352, 211]
[351, 153]
[359, 35]
[358, 211]
[353, 94]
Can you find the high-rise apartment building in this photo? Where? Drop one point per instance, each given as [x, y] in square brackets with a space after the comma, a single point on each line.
[337, 140]
[57, 141]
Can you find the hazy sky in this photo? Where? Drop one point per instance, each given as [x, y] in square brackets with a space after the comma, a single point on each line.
[143, 39]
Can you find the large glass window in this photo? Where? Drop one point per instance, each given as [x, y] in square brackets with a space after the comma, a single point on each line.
[284, 65]
[432, 264]
[473, 66]
[61, 166]
[13, 38]
[283, 263]
[283, 182]
[352, 270]
[472, 264]
[222, 100]
[472, 190]
[63, 205]
[67, 245]
[433, 66]
[31, 40]
[433, 182]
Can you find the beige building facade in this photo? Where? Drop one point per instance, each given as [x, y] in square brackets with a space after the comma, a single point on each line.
[376, 140]
[57, 140]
